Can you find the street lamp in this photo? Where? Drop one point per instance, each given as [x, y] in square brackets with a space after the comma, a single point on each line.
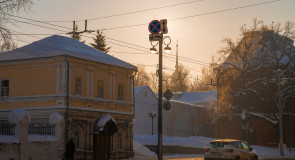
[152, 115]
[167, 49]
[153, 50]
[157, 29]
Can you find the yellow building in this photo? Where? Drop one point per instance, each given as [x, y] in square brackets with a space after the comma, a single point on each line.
[58, 88]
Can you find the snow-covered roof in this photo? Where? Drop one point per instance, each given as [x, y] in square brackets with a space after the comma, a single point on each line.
[59, 45]
[103, 120]
[195, 97]
[138, 89]
[264, 53]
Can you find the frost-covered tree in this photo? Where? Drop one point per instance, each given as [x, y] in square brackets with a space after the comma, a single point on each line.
[237, 59]
[181, 79]
[8, 8]
[100, 42]
[7, 46]
[142, 77]
[207, 80]
[252, 69]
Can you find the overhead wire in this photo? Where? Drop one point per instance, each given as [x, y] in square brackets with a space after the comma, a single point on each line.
[132, 12]
[145, 23]
[136, 25]
[65, 31]
[183, 65]
[188, 60]
[197, 15]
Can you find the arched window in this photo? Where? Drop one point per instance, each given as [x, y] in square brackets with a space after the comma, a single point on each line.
[120, 142]
[77, 139]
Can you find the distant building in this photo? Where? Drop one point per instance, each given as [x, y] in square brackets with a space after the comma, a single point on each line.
[183, 119]
[58, 88]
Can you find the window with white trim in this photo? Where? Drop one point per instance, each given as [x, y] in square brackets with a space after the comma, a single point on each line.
[120, 141]
[78, 86]
[4, 85]
[100, 89]
[77, 139]
[120, 92]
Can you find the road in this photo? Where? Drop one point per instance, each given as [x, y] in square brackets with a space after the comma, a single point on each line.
[172, 157]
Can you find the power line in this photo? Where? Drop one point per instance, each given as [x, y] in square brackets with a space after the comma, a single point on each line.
[55, 28]
[34, 20]
[37, 25]
[189, 60]
[225, 10]
[131, 52]
[144, 10]
[133, 12]
[197, 15]
[183, 65]
[138, 24]
[83, 36]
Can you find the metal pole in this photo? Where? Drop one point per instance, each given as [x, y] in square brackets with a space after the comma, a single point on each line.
[280, 117]
[152, 125]
[160, 138]
[67, 102]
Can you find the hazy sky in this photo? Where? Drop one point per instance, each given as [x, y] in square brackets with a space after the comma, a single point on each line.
[198, 33]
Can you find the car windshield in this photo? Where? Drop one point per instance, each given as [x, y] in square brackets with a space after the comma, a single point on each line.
[220, 144]
[245, 146]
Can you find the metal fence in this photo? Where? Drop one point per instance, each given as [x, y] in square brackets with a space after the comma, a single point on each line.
[6, 128]
[42, 129]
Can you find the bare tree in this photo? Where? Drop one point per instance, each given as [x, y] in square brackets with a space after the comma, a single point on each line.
[142, 78]
[237, 57]
[7, 46]
[253, 67]
[154, 82]
[180, 79]
[207, 80]
[7, 9]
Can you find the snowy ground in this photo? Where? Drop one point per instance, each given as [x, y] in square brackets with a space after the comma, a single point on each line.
[197, 142]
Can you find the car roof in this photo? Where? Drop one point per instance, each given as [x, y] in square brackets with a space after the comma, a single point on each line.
[225, 140]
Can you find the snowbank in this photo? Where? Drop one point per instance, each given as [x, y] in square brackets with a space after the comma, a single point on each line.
[202, 142]
[195, 141]
[270, 152]
[139, 149]
[8, 139]
[43, 138]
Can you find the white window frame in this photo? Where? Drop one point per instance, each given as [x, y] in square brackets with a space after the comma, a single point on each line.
[100, 89]
[76, 86]
[120, 92]
[3, 89]
[77, 139]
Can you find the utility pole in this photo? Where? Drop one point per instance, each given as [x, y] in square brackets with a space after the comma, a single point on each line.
[176, 66]
[67, 100]
[74, 32]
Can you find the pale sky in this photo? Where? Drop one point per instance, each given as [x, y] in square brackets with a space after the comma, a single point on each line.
[198, 33]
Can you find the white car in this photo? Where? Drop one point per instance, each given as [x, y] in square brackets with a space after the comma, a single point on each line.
[229, 149]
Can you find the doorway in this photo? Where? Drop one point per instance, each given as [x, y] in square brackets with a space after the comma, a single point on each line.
[102, 141]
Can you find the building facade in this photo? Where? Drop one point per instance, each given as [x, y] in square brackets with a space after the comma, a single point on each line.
[183, 119]
[58, 88]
